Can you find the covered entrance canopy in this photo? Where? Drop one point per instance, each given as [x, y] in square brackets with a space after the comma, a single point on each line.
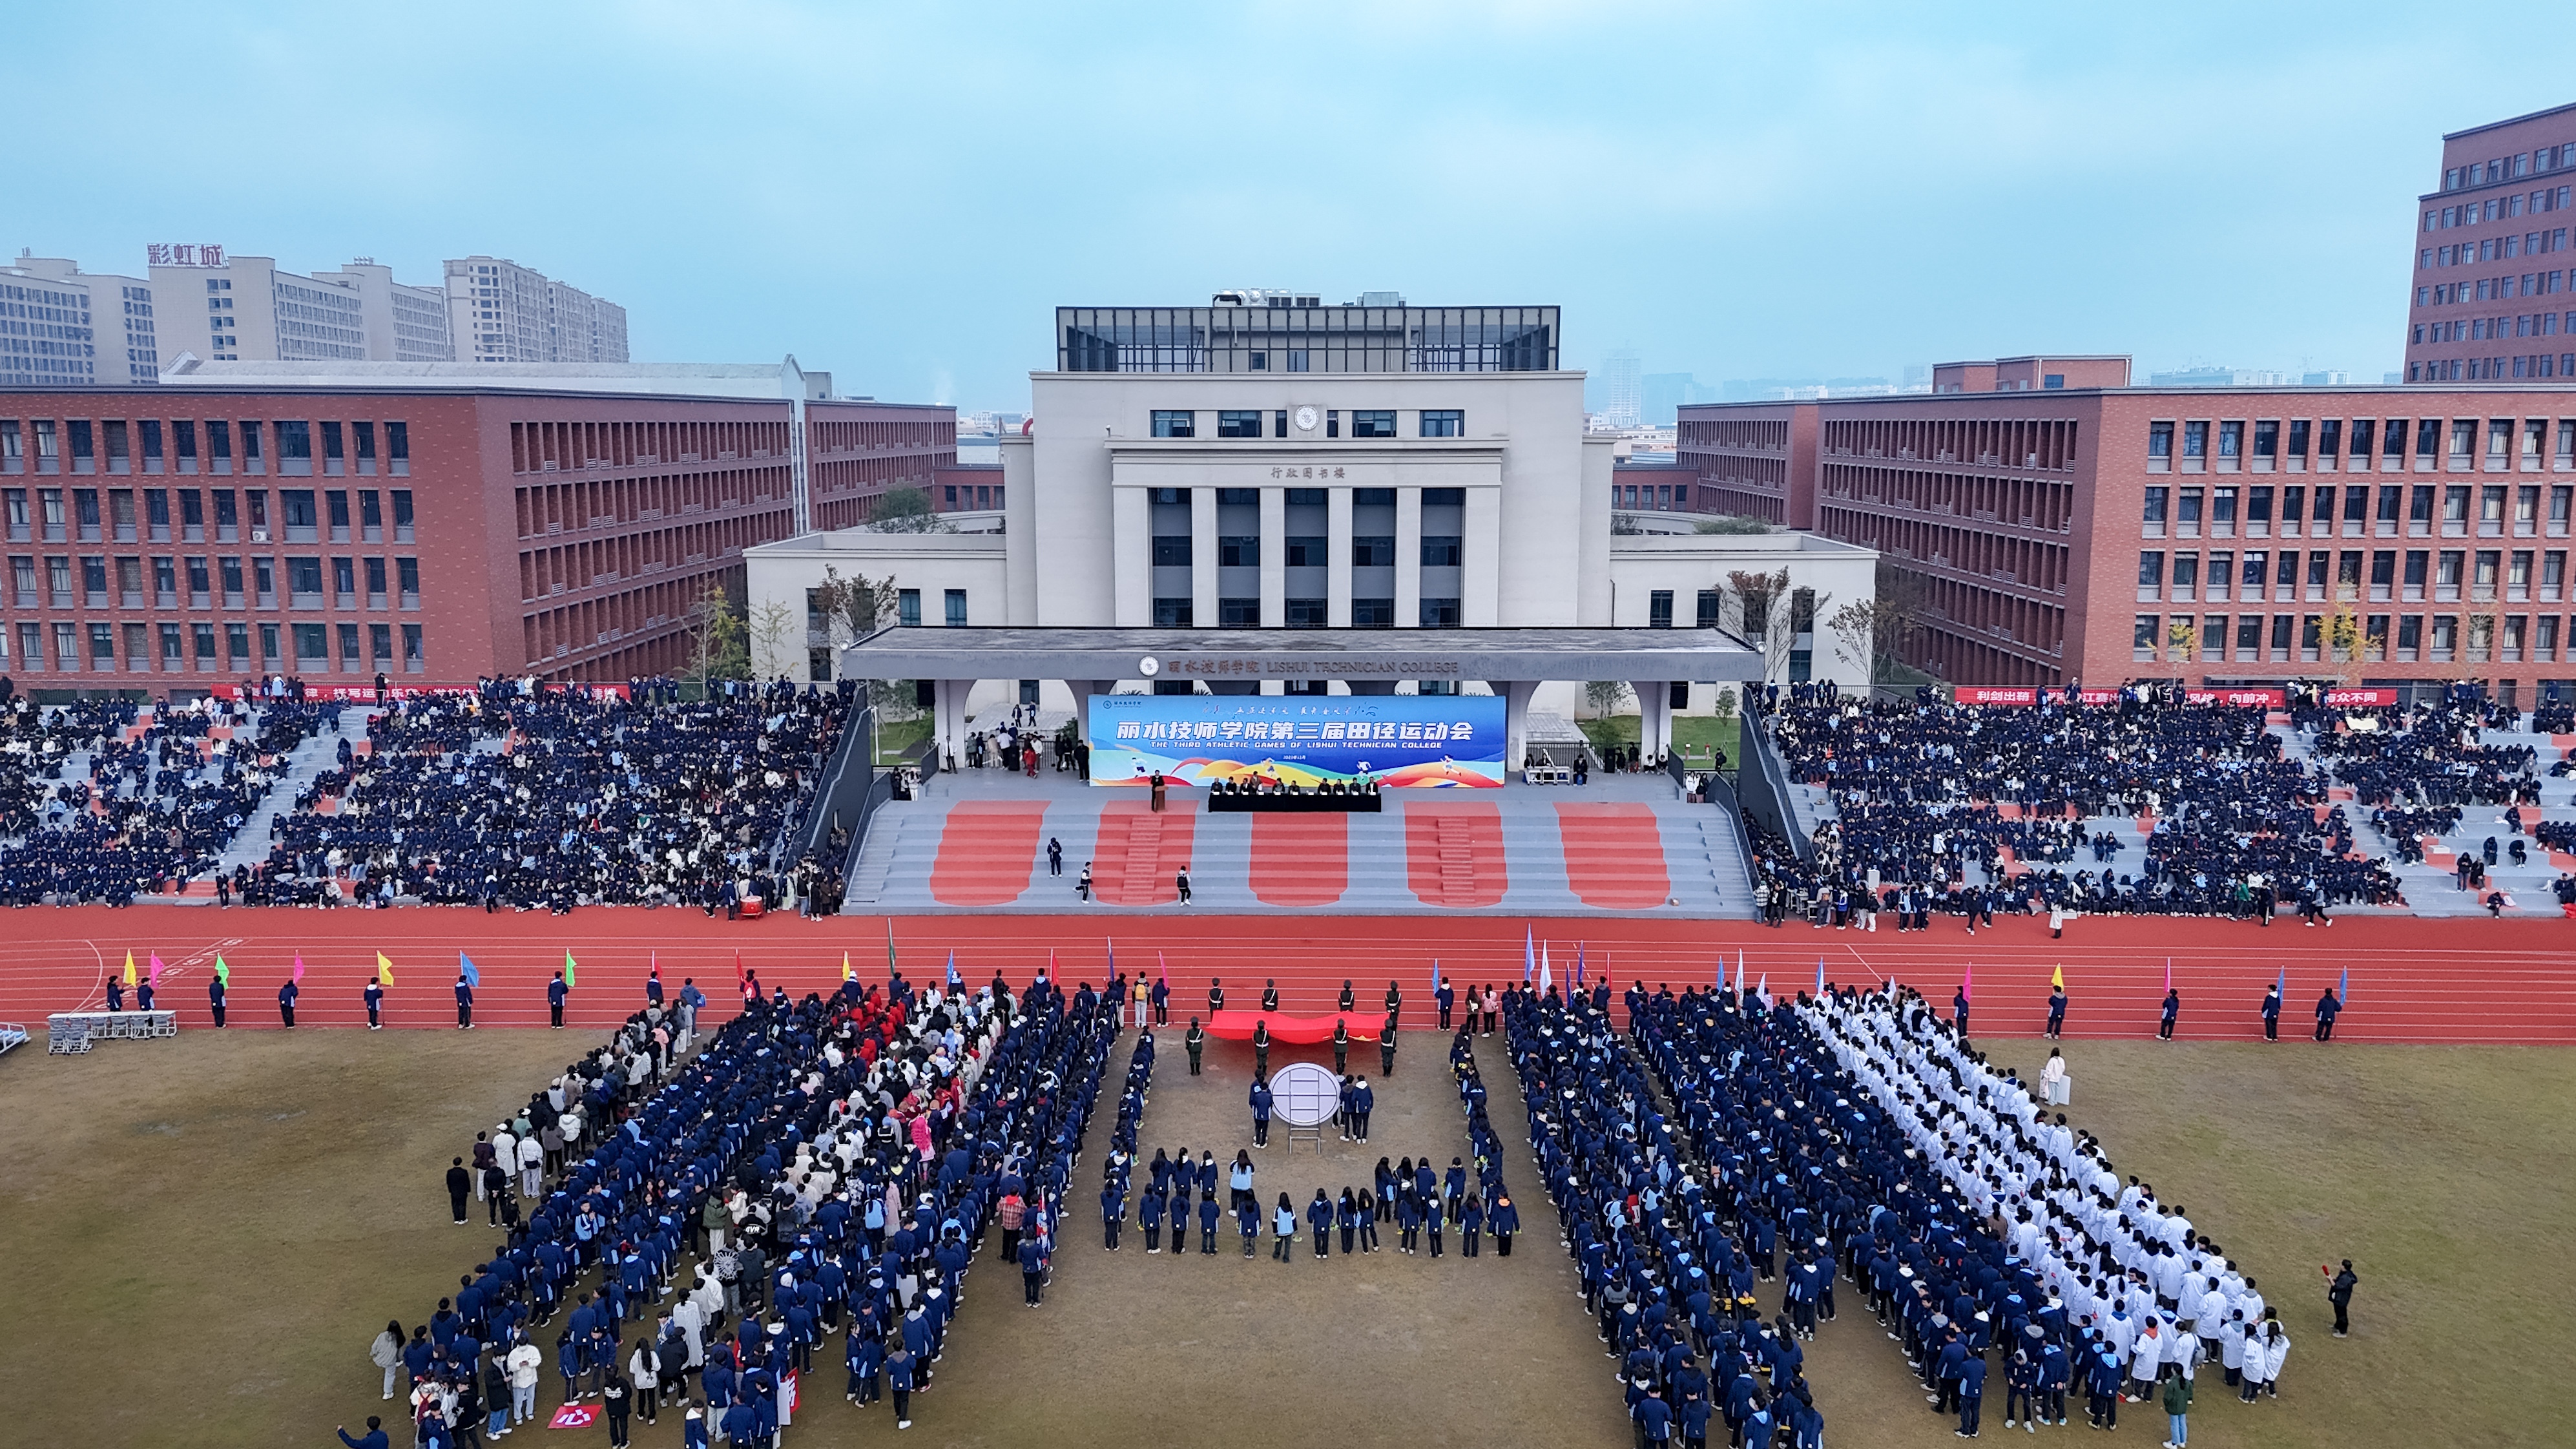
[1513, 662]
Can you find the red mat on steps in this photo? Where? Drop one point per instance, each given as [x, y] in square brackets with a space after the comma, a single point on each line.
[1301, 860]
[987, 852]
[1140, 853]
[1614, 855]
[1453, 853]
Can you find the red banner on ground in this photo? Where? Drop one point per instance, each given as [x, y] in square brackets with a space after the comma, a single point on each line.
[1295, 1030]
[574, 1416]
[2347, 698]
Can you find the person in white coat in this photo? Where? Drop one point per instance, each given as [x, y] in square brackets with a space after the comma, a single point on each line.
[2265, 1350]
[644, 1367]
[532, 1166]
[386, 1353]
[524, 1362]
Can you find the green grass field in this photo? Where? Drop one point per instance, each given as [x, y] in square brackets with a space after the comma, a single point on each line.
[1693, 734]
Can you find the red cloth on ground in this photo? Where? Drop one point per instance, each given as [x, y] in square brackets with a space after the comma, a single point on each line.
[1295, 1030]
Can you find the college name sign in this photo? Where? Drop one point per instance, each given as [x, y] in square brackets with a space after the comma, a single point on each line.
[1398, 740]
[1278, 666]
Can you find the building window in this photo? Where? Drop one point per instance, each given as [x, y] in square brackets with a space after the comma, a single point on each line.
[1376, 423]
[907, 608]
[1172, 614]
[1372, 613]
[1444, 423]
[1308, 551]
[1232, 423]
[1373, 551]
[1172, 550]
[2157, 499]
[2160, 440]
[1709, 609]
[1239, 613]
[1440, 550]
[2142, 637]
[956, 608]
[1307, 614]
[2195, 440]
[2151, 574]
[1439, 613]
[1175, 424]
[1238, 551]
[413, 660]
[1659, 609]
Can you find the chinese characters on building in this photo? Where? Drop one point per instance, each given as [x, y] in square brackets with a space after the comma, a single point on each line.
[184, 254]
[1353, 730]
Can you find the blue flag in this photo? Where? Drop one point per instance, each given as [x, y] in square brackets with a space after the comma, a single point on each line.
[1820, 978]
[954, 980]
[2282, 984]
[465, 967]
[2343, 988]
[1435, 976]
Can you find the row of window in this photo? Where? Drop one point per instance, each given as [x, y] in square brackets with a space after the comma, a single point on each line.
[2493, 249]
[156, 581]
[2412, 505]
[134, 514]
[194, 648]
[2491, 289]
[123, 443]
[2494, 369]
[1305, 551]
[2505, 168]
[2311, 638]
[1365, 423]
[2483, 572]
[1657, 497]
[1304, 613]
[907, 608]
[2488, 329]
[2499, 208]
[2357, 442]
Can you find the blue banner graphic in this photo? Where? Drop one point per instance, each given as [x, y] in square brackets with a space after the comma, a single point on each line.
[1452, 741]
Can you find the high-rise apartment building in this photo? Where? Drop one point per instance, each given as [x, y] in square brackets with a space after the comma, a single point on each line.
[224, 307]
[2494, 280]
[1620, 405]
[59, 324]
[499, 311]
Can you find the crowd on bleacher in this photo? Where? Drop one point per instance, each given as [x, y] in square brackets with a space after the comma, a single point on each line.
[549, 800]
[148, 813]
[829, 1166]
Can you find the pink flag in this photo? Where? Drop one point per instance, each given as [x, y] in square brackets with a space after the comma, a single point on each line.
[299, 965]
[156, 970]
[1968, 982]
[2168, 973]
[1162, 969]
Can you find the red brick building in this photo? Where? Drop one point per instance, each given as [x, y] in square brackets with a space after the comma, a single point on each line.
[2205, 535]
[169, 538]
[2494, 278]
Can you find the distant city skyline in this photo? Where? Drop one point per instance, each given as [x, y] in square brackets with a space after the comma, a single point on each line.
[902, 199]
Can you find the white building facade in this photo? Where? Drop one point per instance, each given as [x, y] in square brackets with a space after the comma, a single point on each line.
[501, 312]
[60, 325]
[1277, 468]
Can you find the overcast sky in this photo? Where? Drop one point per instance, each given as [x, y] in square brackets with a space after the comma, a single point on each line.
[900, 193]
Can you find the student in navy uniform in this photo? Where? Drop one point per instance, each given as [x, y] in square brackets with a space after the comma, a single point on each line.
[2173, 1009]
[375, 994]
[215, 998]
[555, 993]
[1363, 1102]
[1261, 1100]
[2272, 1012]
[1447, 996]
[115, 994]
[1149, 1213]
[1032, 1269]
[899, 1379]
[1207, 1224]
[143, 994]
[1113, 1213]
[1505, 1220]
[2339, 1293]
[286, 995]
[2328, 1006]
[1247, 1218]
[459, 1184]
[1319, 1216]
[374, 1439]
[1972, 1393]
[464, 1005]
[2056, 1011]
[1283, 1231]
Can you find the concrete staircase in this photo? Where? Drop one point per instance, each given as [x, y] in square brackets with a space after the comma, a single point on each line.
[311, 758]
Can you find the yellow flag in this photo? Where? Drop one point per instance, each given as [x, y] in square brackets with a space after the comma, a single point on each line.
[129, 968]
[384, 969]
[2058, 980]
[846, 973]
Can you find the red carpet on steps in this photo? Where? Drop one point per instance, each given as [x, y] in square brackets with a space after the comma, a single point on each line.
[1300, 860]
[2413, 980]
[987, 851]
[1614, 857]
[1453, 852]
[1140, 853]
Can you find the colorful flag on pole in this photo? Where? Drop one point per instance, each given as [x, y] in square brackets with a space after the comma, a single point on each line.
[653, 971]
[889, 946]
[1763, 991]
[1578, 965]
[1113, 957]
[2343, 987]
[1820, 978]
[1162, 969]
[2281, 983]
[384, 970]
[568, 969]
[1968, 983]
[129, 966]
[846, 973]
[2168, 973]
[299, 965]
[2057, 978]
[1435, 976]
[154, 968]
[1529, 954]
[465, 968]
[954, 980]
[1546, 976]
[740, 982]
[223, 973]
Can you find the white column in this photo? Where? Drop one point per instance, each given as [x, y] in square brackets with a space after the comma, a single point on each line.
[1480, 605]
[1274, 558]
[948, 712]
[1654, 716]
[1132, 555]
[1516, 702]
[1337, 574]
[1203, 557]
[1408, 558]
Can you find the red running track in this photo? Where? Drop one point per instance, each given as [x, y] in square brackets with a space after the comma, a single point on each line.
[2413, 980]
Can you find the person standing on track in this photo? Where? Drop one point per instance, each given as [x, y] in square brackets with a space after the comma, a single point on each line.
[375, 995]
[215, 998]
[2056, 1010]
[2272, 1012]
[556, 991]
[2173, 1010]
[286, 995]
[2328, 1007]
[464, 1005]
